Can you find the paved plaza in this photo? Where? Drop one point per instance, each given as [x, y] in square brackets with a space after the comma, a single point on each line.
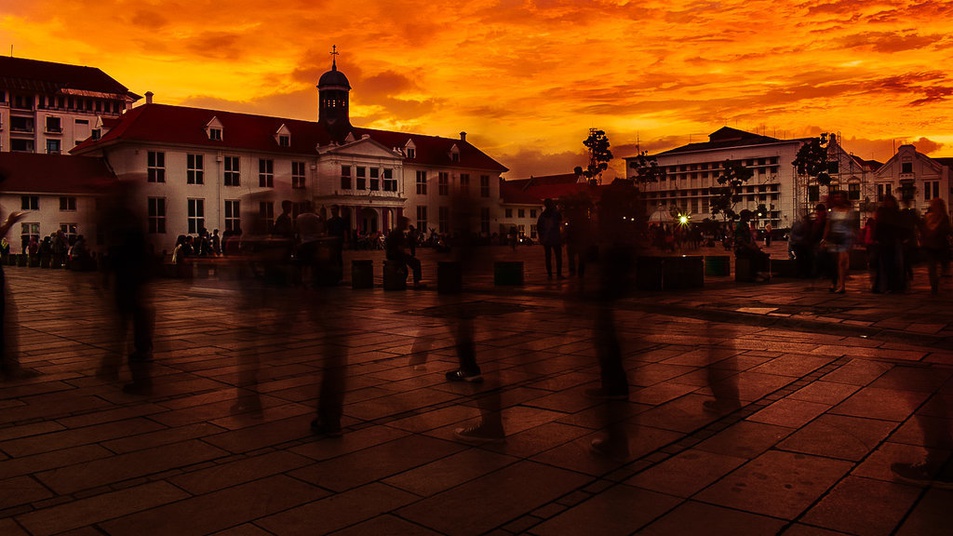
[833, 390]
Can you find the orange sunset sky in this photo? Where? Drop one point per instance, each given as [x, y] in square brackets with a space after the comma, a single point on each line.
[527, 78]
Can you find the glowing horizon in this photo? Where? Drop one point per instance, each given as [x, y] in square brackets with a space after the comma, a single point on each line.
[527, 79]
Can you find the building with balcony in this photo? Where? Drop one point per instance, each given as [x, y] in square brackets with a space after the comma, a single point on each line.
[50, 108]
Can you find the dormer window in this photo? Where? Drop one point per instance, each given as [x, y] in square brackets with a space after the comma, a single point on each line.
[283, 136]
[454, 153]
[410, 150]
[214, 129]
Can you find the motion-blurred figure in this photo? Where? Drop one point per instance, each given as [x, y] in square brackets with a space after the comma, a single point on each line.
[9, 322]
[621, 225]
[129, 267]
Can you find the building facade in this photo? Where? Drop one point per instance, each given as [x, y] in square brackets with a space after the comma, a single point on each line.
[692, 170]
[50, 107]
[213, 169]
[58, 193]
[914, 177]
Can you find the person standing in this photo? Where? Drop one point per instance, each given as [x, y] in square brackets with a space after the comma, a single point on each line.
[396, 249]
[337, 230]
[548, 228]
[935, 234]
[839, 237]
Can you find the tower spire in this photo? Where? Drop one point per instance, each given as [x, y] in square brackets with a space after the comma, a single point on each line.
[334, 53]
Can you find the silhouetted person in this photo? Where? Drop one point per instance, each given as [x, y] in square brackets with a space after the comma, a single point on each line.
[549, 229]
[578, 239]
[888, 234]
[337, 230]
[935, 234]
[621, 235]
[396, 249]
[129, 267]
[9, 322]
[936, 468]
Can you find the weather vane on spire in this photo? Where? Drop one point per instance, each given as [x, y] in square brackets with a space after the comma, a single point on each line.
[334, 52]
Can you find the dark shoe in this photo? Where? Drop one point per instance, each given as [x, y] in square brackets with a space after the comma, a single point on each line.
[419, 286]
[715, 406]
[141, 357]
[603, 448]
[461, 376]
[142, 389]
[921, 474]
[320, 428]
[477, 435]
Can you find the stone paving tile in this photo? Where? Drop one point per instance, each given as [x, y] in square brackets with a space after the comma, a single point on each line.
[686, 473]
[100, 508]
[931, 516]
[205, 514]
[884, 404]
[448, 472]
[386, 524]
[493, 500]
[337, 511]
[836, 436]
[789, 412]
[239, 472]
[699, 518]
[78, 436]
[611, 511]
[51, 460]
[121, 467]
[823, 392]
[376, 463]
[777, 484]
[745, 439]
[863, 506]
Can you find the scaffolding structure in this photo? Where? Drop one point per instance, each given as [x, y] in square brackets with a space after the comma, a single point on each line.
[847, 173]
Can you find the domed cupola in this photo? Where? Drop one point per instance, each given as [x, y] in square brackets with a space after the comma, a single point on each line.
[333, 91]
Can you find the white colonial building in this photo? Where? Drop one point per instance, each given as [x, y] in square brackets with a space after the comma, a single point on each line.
[692, 170]
[48, 107]
[206, 168]
[916, 177]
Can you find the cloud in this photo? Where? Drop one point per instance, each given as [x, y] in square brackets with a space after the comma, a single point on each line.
[927, 146]
[889, 42]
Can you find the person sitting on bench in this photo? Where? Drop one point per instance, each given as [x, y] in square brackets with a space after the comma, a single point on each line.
[747, 248]
[396, 249]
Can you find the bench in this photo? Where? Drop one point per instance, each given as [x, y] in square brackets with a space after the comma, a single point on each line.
[669, 273]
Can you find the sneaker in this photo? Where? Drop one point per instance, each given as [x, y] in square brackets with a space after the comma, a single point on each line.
[461, 376]
[320, 428]
[920, 474]
[602, 394]
[477, 435]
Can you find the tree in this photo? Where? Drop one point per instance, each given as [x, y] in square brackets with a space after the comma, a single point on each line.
[647, 169]
[733, 178]
[811, 160]
[599, 156]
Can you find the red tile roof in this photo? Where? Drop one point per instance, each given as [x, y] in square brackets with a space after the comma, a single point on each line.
[180, 125]
[20, 74]
[29, 173]
[539, 188]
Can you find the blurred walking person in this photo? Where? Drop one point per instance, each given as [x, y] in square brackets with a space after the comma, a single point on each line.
[935, 234]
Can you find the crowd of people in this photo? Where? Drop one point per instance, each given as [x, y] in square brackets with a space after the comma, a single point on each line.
[894, 238]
